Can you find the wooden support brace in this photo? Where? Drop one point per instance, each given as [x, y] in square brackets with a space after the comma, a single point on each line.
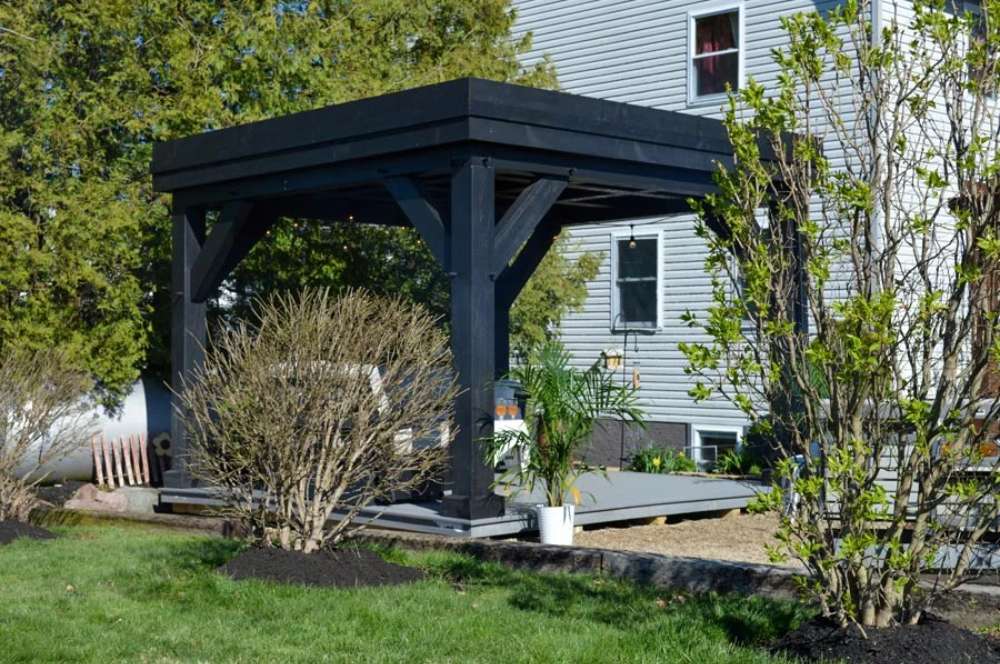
[424, 217]
[242, 223]
[524, 215]
[513, 279]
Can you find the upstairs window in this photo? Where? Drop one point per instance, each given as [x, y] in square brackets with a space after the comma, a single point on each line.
[716, 57]
[636, 287]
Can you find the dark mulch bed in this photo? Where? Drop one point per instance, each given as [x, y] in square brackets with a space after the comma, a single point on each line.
[12, 530]
[56, 495]
[933, 641]
[343, 568]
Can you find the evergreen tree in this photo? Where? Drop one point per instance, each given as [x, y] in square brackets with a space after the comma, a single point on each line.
[87, 88]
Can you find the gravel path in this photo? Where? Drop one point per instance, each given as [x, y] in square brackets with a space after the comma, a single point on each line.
[739, 537]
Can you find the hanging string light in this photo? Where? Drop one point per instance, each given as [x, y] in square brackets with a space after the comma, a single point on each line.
[631, 236]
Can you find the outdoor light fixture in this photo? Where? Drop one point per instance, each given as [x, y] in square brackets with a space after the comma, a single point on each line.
[631, 236]
[612, 358]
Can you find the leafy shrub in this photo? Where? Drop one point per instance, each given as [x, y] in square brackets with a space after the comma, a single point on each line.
[662, 460]
[739, 462]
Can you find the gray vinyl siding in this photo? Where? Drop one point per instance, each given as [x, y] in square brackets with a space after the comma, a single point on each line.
[636, 51]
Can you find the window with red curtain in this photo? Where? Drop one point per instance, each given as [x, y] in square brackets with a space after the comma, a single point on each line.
[716, 59]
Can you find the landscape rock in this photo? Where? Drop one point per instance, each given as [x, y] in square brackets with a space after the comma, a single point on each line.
[90, 497]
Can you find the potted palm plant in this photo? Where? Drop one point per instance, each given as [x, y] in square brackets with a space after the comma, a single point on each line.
[563, 403]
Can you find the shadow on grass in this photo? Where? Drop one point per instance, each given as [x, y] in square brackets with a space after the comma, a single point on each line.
[750, 621]
[206, 553]
[745, 621]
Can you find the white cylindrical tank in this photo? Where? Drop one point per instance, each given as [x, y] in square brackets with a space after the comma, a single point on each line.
[145, 411]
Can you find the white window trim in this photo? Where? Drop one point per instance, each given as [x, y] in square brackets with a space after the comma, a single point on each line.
[698, 429]
[624, 234]
[711, 9]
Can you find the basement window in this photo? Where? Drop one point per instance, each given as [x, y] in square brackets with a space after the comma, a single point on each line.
[716, 54]
[709, 444]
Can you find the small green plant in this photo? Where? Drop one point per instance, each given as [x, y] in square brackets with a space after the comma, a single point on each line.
[739, 462]
[662, 460]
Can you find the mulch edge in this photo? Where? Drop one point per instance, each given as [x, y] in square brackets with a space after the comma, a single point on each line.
[34, 532]
[695, 575]
[323, 569]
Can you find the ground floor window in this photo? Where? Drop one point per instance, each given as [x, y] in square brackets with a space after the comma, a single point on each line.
[636, 281]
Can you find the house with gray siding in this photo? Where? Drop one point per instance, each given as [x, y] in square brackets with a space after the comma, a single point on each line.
[675, 55]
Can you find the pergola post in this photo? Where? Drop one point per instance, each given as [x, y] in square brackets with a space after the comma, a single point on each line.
[187, 329]
[473, 302]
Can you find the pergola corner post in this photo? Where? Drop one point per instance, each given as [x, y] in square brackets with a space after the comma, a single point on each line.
[473, 303]
[187, 330]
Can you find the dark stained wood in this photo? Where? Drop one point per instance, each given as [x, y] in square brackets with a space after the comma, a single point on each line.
[473, 296]
[424, 217]
[513, 279]
[187, 329]
[240, 226]
[522, 217]
[491, 104]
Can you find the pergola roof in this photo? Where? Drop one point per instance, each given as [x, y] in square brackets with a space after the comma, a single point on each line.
[622, 161]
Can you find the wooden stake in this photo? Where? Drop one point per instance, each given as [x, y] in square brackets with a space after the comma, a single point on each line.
[107, 462]
[98, 469]
[126, 446]
[144, 456]
[133, 448]
[119, 464]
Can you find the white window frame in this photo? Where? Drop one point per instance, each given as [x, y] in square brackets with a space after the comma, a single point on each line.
[616, 237]
[712, 9]
[696, 433]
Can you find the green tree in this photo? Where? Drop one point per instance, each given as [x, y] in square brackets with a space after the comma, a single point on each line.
[883, 195]
[557, 287]
[86, 89]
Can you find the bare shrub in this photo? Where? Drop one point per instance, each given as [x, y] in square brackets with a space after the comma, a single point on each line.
[43, 416]
[324, 406]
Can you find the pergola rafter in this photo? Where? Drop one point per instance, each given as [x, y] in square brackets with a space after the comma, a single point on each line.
[487, 173]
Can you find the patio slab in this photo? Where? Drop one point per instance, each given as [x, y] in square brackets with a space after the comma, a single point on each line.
[622, 496]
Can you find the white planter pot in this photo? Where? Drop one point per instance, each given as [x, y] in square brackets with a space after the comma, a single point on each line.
[555, 524]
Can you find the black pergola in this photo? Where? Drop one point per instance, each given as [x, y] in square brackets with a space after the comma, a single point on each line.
[488, 173]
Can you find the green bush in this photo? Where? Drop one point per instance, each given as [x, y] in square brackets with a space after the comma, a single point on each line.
[739, 462]
[661, 460]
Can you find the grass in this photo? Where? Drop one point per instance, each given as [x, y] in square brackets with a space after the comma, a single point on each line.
[105, 594]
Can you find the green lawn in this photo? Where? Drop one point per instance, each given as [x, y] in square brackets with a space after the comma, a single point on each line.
[101, 594]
